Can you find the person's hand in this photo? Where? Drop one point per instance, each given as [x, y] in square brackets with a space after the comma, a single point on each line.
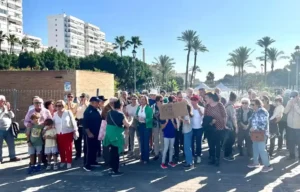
[29, 144]
[252, 129]
[213, 121]
[245, 127]
[90, 135]
[8, 106]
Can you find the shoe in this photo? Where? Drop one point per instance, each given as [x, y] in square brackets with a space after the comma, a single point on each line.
[241, 154]
[87, 168]
[251, 166]
[77, 158]
[230, 158]
[217, 162]
[55, 167]
[266, 169]
[38, 168]
[163, 166]
[48, 168]
[156, 158]
[172, 164]
[291, 157]
[188, 166]
[15, 159]
[117, 174]
[69, 165]
[30, 170]
[96, 164]
[62, 165]
[198, 159]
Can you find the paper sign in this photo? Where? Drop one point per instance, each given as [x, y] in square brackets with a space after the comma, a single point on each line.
[67, 86]
[173, 110]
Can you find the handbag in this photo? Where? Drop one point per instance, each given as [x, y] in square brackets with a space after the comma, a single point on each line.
[75, 134]
[258, 136]
[102, 130]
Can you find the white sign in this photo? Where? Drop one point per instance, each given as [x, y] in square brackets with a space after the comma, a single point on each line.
[67, 86]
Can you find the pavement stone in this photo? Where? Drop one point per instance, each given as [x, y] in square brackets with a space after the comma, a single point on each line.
[230, 176]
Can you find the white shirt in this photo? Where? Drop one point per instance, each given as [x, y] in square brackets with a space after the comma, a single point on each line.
[64, 124]
[196, 120]
[80, 111]
[131, 110]
[142, 114]
[186, 127]
[50, 142]
[278, 112]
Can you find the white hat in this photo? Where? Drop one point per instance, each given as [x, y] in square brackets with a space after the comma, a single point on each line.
[153, 92]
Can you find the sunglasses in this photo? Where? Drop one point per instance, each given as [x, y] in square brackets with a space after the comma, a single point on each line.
[37, 103]
[58, 105]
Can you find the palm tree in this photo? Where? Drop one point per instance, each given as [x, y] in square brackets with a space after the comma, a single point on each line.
[12, 40]
[121, 44]
[136, 42]
[233, 62]
[24, 43]
[188, 37]
[197, 46]
[164, 64]
[275, 55]
[2, 39]
[35, 45]
[194, 70]
[265, 42]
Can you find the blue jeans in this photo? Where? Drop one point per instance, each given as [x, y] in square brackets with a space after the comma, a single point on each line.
[259, 149]
[187, 139]
[197, 135]
[10, 141]
[144, 141]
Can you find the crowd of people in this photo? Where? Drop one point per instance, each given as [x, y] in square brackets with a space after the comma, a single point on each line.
[110, 129]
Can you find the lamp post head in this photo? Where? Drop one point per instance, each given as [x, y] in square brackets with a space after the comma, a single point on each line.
[133, 53]
[297, 48]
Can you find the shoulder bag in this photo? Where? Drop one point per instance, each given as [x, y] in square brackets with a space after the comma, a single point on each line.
[258, 136]
[76, 134]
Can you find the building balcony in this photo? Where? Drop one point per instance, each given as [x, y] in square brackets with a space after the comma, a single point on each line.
[17, 3]
[14, 9]
[16, 19]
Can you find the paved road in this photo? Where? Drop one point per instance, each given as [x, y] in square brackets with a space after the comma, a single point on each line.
[230, 176]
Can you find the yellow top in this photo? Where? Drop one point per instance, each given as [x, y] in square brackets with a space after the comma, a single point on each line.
[72, 107]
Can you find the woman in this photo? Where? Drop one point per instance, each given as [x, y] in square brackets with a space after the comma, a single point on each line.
[157, 131]
[216, 110]
[144, 115]
[273, 124]
[116, 121]
[66, 127]
[260, 122]
[50, 106]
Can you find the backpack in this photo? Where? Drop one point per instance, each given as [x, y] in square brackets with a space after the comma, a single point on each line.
[15, 129]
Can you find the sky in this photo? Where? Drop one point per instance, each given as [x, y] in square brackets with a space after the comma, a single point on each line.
[222, 26]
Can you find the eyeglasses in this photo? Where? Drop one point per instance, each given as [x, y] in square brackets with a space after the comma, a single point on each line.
[245, 103]
[252, 104]
[37, 103]
[70, 96]
[58, 105]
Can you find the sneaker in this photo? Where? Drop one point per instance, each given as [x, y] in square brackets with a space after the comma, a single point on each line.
[96, 164]
[230, 158]
[48, 168]
[86, 168]
[172, 164]
[62, 165]
[156, 158]
[198, 159]
[188, 166]
[30, 170]
[251, 166]
[69, 165]
[15, 159]
[163, 166]
[117, 174]
[55, 167]
[266, 169]
[38, 168]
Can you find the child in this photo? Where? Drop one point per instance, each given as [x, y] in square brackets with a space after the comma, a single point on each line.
[50, 143]
[169, 130]
[35, 143]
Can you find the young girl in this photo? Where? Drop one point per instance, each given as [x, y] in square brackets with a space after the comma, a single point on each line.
[169, 127]
[50, 143]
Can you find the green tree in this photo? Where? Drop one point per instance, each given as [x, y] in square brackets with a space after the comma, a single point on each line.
[194, 70]
[233, 62]
[275, 55]
[164, 64]
[12, 40]
[188, 37]
[30, 60]
[35, 45]
[135, 42]
[197, 46]
[2, 39]
[210, 78]
[24, 43]
[265, 42]
[121, 44]
[172, 85]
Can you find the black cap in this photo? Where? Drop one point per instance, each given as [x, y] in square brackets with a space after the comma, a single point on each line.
[96, 99]
[83, 95]
[102, 98]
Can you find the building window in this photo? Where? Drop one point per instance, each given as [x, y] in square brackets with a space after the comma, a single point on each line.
[55, 19]
[56, 35]
[55, 29]
[56, 45]
[55, 24]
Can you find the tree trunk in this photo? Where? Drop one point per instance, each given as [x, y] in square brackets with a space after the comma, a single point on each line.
[242, 79]
[239, 78]
[11, 48]
[187, 68]
[272, 66]
[193, 69]
[121, 52]
[0, 47]
[266, 66]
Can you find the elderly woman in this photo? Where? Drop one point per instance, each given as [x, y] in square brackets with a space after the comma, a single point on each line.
[66, 126]
[260, 128]
[144, 115]
[5, 133]
[50, 106]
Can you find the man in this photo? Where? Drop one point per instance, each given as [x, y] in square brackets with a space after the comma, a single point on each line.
[43, 114]
[70, 105]
[222, 99]
[124, 98]
[152, 97]
[100, 108]
[165, 98]
[6, 116]
[202, 93]
[292, 110]
[91, 124]
[189, 94]
[81, 107]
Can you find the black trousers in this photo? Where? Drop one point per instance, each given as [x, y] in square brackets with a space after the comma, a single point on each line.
[243, 135]
[78, 142]
[282, 126]
[274, 132]
[99, 151]
[90, 151]
[229, 141]
[178, 142]
[215, 139]
[106, 155]
[114, 158]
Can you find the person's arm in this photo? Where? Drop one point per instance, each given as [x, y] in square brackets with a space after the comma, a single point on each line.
[288, 107]
[164, 123]
[127, 123]
[223, 112]
[149, 114]
[262, 120]
[27, 120]
[74, 123]
[86, 124]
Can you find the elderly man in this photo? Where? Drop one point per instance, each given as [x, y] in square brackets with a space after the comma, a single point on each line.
[5, 133]
[43, 113]
[70, 105]
[91, 124]
[189, 94]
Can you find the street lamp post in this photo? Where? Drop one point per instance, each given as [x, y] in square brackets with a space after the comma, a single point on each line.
[297, 49]
[288, 70]
[134, 69]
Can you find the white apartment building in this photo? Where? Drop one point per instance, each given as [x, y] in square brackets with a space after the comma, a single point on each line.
[11, 21]
[109, 47]
[74, 36]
